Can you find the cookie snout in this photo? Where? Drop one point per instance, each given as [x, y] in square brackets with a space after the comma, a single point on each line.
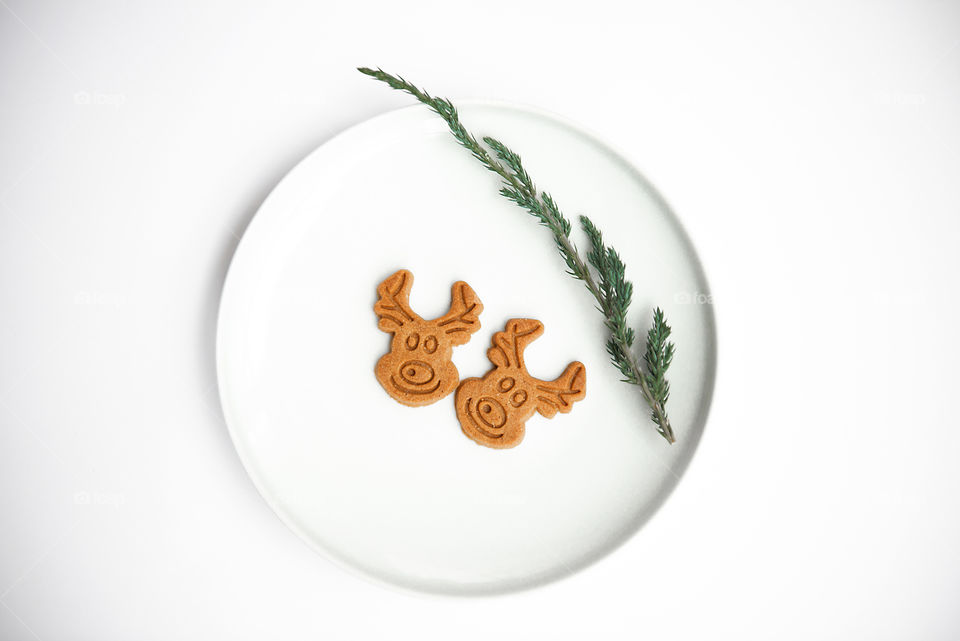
[483, 415]
[416, 373]
[490, 413]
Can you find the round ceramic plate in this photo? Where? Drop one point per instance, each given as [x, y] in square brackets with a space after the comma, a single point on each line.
[399, 493]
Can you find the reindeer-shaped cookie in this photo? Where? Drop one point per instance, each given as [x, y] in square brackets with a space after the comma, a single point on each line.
[493, 410]
[417, 370]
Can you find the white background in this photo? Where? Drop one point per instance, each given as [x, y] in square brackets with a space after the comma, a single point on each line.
[811, 149]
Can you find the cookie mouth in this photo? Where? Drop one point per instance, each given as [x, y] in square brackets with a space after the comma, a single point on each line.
[407, 390]
[471, 411]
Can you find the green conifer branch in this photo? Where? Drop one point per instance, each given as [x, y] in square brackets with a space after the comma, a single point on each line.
[609, 286]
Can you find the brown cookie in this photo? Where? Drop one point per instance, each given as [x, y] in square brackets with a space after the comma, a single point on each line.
[417, 370]
[493, 410]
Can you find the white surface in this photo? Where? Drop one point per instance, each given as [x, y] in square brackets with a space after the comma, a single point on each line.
[810, 149]
[400, 493]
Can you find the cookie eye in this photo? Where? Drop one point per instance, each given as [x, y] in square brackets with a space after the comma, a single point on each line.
[518, 398]
[430, 344]
[506, 384]
[413, 340]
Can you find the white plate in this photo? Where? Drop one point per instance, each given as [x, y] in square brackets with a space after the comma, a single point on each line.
[399, 493]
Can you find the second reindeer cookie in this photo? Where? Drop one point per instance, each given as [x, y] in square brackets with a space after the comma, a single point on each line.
[493, 410]
[417, 370]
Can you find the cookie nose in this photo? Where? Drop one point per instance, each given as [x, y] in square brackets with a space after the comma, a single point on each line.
[491, 412]
[416, 372]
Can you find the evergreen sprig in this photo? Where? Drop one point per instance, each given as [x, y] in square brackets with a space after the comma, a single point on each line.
[609, 286]
[657, 358]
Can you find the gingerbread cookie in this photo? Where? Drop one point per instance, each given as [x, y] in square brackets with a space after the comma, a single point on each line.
[417, 370]
[493, 410]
